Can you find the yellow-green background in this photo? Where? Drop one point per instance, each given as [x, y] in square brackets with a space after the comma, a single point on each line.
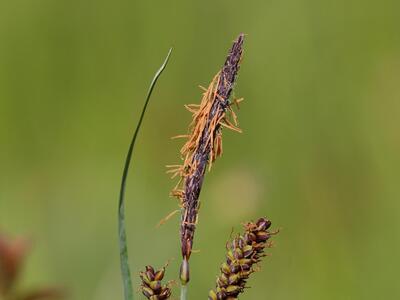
[319, 154]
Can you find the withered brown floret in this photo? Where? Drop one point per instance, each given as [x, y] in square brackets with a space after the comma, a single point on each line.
[12, 256]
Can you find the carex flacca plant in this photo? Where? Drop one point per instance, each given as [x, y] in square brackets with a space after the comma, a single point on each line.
[214, 113]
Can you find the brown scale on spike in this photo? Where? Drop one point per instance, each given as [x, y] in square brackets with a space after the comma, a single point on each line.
[151, 286]
[204, 145]
[244, 252]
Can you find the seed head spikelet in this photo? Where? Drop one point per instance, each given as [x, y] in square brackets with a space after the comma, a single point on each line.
[204, 145]
[244, 252]
[151, 286]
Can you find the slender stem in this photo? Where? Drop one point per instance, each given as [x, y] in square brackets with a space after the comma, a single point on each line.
[123, 246]
[183, 291]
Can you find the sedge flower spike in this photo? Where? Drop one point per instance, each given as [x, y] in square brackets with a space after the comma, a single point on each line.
[244, 252]
[152, 287]
[204, 145]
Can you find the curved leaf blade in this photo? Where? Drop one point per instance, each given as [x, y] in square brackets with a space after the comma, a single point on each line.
[123, 247]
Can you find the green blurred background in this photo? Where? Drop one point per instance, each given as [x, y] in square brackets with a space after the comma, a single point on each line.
[319, 154]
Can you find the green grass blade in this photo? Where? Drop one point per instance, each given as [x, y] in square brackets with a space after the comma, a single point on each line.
[123, 247]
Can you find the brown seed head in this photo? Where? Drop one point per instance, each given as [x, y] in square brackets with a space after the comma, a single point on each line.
[243, 253]
[151, 286]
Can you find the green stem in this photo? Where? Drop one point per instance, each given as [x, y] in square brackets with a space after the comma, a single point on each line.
[123, 246]
[183, 292]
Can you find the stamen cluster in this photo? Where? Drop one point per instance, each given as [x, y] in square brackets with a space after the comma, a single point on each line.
[203, 146]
